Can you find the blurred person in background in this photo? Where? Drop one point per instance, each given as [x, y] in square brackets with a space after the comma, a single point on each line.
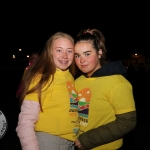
[32, 59]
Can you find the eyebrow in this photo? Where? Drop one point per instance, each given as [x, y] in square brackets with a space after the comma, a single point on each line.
[62, 48]
[85, 52]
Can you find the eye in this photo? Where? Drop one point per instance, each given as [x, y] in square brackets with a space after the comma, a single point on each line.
[58, 50]
[76, 55]
[87, 54]
[69, 51]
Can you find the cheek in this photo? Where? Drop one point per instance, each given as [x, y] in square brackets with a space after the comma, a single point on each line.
[93, 60]
[54, 56]
[71, 57]
[77, 61]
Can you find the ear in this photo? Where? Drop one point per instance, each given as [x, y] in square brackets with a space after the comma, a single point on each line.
[99, 53]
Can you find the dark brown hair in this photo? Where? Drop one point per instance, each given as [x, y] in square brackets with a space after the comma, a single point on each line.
[96, 38]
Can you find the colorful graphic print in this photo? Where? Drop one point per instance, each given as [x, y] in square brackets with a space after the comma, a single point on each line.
[84, 97]
[73, 105]
[73, 95]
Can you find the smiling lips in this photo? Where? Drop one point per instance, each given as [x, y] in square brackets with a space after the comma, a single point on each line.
[63, 62]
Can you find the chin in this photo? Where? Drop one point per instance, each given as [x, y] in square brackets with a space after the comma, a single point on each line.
[84, 71]
[63, 69]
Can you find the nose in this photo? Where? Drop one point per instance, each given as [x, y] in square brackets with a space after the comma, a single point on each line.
[65, 55]
[82, 59]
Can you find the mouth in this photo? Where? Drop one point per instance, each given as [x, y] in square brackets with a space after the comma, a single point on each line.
[84, 66]
[63, 61]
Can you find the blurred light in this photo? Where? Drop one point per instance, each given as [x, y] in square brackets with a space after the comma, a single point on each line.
[14, 56]
[20, 49]
[28, 56]
[135, 54]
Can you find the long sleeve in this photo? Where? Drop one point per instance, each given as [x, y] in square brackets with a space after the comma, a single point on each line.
[110, 132]
[26, 124]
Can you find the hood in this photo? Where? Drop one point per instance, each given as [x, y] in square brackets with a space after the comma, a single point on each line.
[111, 68]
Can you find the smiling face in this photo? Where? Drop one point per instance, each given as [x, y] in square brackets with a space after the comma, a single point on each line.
[86, 57]
[63, 53]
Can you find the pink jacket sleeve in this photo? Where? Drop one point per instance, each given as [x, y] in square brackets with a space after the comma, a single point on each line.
[26, 124]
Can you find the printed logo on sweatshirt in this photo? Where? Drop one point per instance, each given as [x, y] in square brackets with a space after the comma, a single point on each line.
[84, 97]
[3, 124]
[73, 99]
[73, 111]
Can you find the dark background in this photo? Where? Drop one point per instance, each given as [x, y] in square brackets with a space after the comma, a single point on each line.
[125, 26]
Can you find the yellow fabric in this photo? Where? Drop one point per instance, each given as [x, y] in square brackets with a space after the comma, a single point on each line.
[59, 103]
[100, 99]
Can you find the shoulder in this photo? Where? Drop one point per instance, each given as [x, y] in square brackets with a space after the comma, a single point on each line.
[79, 78]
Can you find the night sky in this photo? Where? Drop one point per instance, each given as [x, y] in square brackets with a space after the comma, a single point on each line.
[28, 26]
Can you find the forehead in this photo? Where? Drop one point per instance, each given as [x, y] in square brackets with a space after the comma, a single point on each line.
[86, 45]
[34, 56]
[62, 41]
